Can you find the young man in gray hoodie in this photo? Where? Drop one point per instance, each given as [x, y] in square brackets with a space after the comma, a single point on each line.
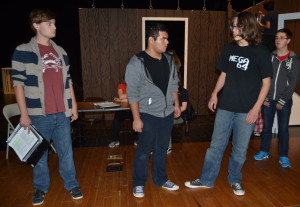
[286, 69]
[152, 90]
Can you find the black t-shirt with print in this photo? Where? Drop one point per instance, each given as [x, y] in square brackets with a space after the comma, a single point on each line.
[245, 67]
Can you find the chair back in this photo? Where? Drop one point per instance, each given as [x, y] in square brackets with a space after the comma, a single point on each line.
[9, 111]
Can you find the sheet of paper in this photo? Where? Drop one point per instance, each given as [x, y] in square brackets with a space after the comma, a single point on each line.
[22, 142]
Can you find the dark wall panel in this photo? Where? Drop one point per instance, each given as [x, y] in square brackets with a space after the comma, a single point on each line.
[110, 37]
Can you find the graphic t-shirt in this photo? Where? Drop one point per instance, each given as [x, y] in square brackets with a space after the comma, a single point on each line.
[245, 67]
[53, 80]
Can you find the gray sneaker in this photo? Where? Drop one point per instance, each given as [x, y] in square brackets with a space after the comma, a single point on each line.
[238, 189]
[138, 191]
[38, 198]
[195, 184]
[170, 186]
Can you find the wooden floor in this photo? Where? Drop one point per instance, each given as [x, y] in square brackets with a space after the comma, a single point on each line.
[267, 184]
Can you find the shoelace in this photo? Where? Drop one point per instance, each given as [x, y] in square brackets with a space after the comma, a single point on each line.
[237, 186]
[195, 182]
[169, 184]
[139, 189]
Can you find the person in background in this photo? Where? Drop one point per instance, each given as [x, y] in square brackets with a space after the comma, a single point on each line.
[46, 99]
[245, 79]
[286, 69]
[183, 103]
[269, 23]
[176, 61]
[152, 90]
[259, 124]
[120, 116]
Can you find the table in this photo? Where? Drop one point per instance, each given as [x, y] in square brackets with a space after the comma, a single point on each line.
[89, 107]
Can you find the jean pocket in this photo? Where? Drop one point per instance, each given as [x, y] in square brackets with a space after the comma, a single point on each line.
[36, 118]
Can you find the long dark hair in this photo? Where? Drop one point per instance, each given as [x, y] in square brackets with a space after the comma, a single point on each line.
[249, 28]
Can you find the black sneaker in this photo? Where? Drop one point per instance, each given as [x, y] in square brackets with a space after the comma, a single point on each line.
[38, 197]
[76, 193]
[238, 189]
[195, 184]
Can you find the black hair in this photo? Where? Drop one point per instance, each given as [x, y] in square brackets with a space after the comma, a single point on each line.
[153, 29]
[268, 5]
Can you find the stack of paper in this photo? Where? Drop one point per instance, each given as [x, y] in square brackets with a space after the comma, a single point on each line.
[106, 104]
[26, 145]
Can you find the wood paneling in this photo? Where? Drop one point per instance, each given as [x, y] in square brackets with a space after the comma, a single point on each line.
[266, 183]
[109, 37]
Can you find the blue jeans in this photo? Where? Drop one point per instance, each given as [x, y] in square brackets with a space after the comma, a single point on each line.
[55, 127]
[225, 123]
[268, 114]
[154, 137]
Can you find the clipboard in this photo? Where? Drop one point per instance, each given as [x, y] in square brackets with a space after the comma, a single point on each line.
[28, 147]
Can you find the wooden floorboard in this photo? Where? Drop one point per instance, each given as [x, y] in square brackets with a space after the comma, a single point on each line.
[267, 184]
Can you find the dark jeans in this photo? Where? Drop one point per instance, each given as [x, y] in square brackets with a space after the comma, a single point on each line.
[154, 137]
[283, 116]
[119, 117]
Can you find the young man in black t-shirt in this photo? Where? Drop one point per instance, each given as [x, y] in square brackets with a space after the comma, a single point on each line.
[245, 79]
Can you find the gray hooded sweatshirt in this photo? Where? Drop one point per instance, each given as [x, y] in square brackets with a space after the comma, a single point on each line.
[285, 77]
[140, 88]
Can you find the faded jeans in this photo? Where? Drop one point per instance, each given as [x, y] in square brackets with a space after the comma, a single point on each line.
[55, 127]
[225, 123]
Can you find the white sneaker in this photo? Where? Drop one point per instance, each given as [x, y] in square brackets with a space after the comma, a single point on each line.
[114, 144]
